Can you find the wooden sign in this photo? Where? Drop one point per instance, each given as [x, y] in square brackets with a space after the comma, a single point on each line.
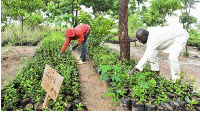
[51, 82]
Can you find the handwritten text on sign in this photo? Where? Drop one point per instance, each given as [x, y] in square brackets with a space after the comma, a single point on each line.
[51, 82]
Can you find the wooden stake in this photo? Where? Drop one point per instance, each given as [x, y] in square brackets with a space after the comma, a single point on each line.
[46, 102]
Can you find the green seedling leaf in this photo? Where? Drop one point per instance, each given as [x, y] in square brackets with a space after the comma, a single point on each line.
[192, 101]
[152, 82]
[104, 69]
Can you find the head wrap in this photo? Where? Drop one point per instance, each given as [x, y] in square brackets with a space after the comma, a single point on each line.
[70, 32]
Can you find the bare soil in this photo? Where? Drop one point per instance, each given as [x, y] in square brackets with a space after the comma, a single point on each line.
[92, 88]
[12, 58]
[190, 67]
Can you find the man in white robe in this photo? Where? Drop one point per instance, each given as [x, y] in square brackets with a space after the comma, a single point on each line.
[167, 39]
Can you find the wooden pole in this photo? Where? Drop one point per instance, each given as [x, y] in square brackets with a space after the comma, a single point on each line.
[46, 102]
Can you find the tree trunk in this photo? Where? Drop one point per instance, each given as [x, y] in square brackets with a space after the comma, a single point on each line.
[7, 31]
[123, 31]
[22, 20]
[73, 12]
[186, 6]
[188, 19]
[76, 15]
[163, 21]
[55, 26]
[187, 13]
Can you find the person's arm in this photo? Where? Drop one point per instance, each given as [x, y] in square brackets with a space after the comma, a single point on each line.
[133, 71]
[140, 66]
[65, 45]
[146, 57]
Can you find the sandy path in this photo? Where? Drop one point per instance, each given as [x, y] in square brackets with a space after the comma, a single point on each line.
[189, 66]
[92, 88]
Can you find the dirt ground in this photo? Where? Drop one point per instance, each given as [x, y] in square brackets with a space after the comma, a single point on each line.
[92, 88]
[190, 67]
[12, 58]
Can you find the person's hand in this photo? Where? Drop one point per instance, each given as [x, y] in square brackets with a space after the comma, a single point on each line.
[60, 54]
[74, 47]
[157, 72]
[132, 39]
[132, 71]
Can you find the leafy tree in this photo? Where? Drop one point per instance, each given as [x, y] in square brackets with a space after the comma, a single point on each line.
[141, 1]
[84, 17]
[63, 10]
[100, 26]
[198, 25]
[195, 33]
[21, 9]
[188, 4]
[54, 12]
[66, 11]
[99, 6]
[151, 17]
[134, 22]
[165, 7]
[5, 18]
[75, 5]
[46, 2]
[35, 20]
[132, 8]
[183, 19]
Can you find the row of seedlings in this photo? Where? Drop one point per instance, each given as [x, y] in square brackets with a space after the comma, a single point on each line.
[25, 91]
[143, 91]
[16, 41]
[194, 42]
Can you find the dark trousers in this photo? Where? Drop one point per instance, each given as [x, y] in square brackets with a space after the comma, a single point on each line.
[84, 51]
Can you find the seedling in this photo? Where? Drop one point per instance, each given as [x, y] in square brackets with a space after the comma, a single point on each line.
[79, 106]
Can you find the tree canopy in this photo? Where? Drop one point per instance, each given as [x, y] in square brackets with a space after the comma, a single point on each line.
[165, 7]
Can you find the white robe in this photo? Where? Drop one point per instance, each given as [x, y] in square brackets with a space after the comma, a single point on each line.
[167, 39]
